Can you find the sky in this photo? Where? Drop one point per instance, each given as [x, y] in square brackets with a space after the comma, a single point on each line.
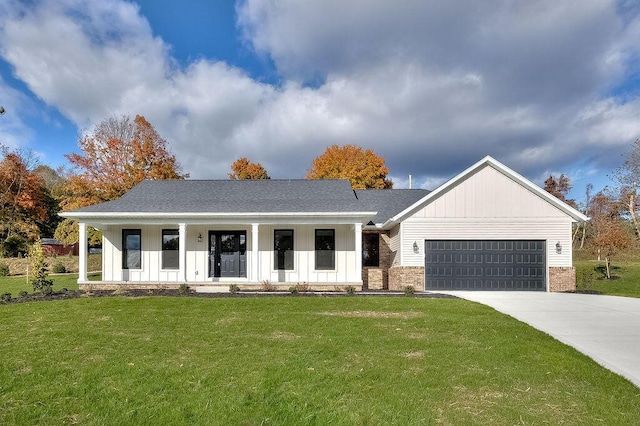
[544, 86]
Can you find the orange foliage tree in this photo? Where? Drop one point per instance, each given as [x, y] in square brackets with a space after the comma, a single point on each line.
[364, 168]
[244, 169]
[116, 156]
[22, 194]
[559, 187]
[611, 237]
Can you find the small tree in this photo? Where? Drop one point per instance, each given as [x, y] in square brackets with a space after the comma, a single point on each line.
[611, 237]
[39, 281]
[628, 175]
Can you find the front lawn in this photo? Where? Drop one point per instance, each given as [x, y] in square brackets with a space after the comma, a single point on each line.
[294, 360]
[15, 285]
[625, 280]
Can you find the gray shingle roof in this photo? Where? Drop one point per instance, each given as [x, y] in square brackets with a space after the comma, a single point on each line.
[233, 196]
[259, 196]
[388, 202]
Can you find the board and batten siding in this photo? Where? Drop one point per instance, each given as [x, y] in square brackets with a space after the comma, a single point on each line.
[489, 194]
[487, 205]
[151, 262]
[197, 255]
[304, 256]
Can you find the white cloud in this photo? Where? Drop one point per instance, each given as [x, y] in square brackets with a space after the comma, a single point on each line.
[13, 131]
[431, 86]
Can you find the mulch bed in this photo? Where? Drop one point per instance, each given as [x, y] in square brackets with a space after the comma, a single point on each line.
[75, 294]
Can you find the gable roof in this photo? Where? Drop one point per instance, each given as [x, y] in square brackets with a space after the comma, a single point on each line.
[506, 171]
[232, 196]
[388, 202]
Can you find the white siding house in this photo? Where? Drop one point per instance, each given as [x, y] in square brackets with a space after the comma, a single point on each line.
[488, 228]
[487, 203]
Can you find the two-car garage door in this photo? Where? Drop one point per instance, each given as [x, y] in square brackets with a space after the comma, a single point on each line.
[485, 265]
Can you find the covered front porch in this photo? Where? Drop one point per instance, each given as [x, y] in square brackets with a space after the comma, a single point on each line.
[214, 253]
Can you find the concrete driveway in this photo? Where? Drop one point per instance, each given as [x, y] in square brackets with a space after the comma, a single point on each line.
[606, 328]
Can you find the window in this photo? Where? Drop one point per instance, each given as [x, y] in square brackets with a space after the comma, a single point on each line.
[170, 249]
[370, 250]
[283, 249]
[131, 249]
[325, 248]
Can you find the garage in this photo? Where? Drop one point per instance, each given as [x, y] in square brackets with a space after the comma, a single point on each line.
[485, 265]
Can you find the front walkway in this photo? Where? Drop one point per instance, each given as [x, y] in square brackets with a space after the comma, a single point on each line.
[605, 328]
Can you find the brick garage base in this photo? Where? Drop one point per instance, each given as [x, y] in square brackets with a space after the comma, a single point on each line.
[562, 278]
[403, 276]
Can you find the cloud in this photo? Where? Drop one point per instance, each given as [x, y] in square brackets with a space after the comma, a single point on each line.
[431, 86]
[13, 131]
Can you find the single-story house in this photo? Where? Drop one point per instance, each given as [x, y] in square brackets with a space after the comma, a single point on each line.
[488, 228]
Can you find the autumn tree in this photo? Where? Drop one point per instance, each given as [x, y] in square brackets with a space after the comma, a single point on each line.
[118, 154]
[628, 176]
[363, 168]
[68, 233]
[244, 169]
[559, 187]
[22, 195]
[611, 237]
[586, 210]
[52, 194]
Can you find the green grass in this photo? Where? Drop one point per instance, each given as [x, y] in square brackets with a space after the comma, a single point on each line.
[590, 275]
[15, 285]
[294, 360]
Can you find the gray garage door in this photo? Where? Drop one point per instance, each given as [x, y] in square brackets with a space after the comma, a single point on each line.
[485, 265]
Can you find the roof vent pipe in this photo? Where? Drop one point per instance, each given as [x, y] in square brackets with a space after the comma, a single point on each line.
[409, 181]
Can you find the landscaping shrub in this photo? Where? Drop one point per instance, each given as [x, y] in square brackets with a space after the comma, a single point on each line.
[300, 288]
[5, 297]
[233, 289]
[59, 268]
[39, 281]
[23, 293]
[4, 269]
[351, 290]
[183, 289]
[267, 286]
[409, 290]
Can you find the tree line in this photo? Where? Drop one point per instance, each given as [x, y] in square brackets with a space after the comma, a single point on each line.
[115, 156]
[613, 225]
[122, 152]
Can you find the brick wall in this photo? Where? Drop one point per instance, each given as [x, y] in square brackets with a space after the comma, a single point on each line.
[377, 278]
[562, 278]
[374, 278]
[402, 276]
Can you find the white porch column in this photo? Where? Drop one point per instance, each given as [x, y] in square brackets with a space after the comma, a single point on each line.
[254, 253]
[182, 252]
[357, 229]
[83, 251]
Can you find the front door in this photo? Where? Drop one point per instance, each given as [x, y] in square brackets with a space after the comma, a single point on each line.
[227, 254]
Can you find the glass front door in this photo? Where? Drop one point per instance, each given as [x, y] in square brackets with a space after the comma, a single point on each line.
[227, 254]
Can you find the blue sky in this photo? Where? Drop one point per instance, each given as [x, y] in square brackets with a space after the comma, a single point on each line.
[545, 87]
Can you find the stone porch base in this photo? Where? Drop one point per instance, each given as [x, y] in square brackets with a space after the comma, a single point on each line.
[212, 287]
